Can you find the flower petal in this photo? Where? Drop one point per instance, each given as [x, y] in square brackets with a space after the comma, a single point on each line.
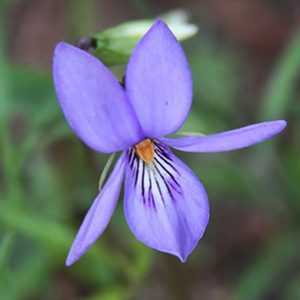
[228, 140]
[93, 101]
[166, 206]
[99, 214]
[158, 82]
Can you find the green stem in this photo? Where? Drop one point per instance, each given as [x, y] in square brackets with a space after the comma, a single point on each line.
[105, 170]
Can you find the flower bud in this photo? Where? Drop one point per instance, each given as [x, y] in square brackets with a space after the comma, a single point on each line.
[115, 45]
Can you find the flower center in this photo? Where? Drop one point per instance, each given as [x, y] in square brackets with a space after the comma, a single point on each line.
[145, 150]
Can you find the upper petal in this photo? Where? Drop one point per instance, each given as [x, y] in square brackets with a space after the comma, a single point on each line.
[228, 140]
[166, 206]
[99, 214]
[158, 82]
[93, 101]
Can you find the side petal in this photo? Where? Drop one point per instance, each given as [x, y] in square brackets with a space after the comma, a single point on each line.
[158, 82]
[166, 206]
[228, 140]
[99, 214]
[93, 101]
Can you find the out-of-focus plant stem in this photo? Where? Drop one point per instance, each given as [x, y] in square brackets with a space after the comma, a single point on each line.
[10, 170]
[278, 95]
[5, 250]
[278, 103]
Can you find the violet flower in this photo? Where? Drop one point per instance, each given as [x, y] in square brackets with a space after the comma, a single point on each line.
[165, 204]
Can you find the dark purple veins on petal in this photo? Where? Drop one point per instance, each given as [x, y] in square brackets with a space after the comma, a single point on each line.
[160, 192]
[143, 181]
[158, 177]
[150, 195]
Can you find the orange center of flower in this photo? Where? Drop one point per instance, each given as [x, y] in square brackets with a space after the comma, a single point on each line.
[145, 150]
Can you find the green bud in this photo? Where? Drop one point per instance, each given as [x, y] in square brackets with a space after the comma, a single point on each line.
[114, 45]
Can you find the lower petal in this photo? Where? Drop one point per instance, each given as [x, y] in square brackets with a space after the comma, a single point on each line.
[228, 140]
[166, 206]
[99, 214]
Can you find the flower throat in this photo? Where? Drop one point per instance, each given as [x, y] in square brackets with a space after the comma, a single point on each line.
[145, 150]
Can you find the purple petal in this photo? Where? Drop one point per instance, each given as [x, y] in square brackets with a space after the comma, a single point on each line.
[158, 82]
[165, 205]
[93, 101]
[228, 140]
[99, 214]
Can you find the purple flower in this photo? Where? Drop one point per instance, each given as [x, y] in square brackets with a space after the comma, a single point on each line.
[166, 206]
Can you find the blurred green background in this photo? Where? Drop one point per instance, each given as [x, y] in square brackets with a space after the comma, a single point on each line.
[245, 61]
